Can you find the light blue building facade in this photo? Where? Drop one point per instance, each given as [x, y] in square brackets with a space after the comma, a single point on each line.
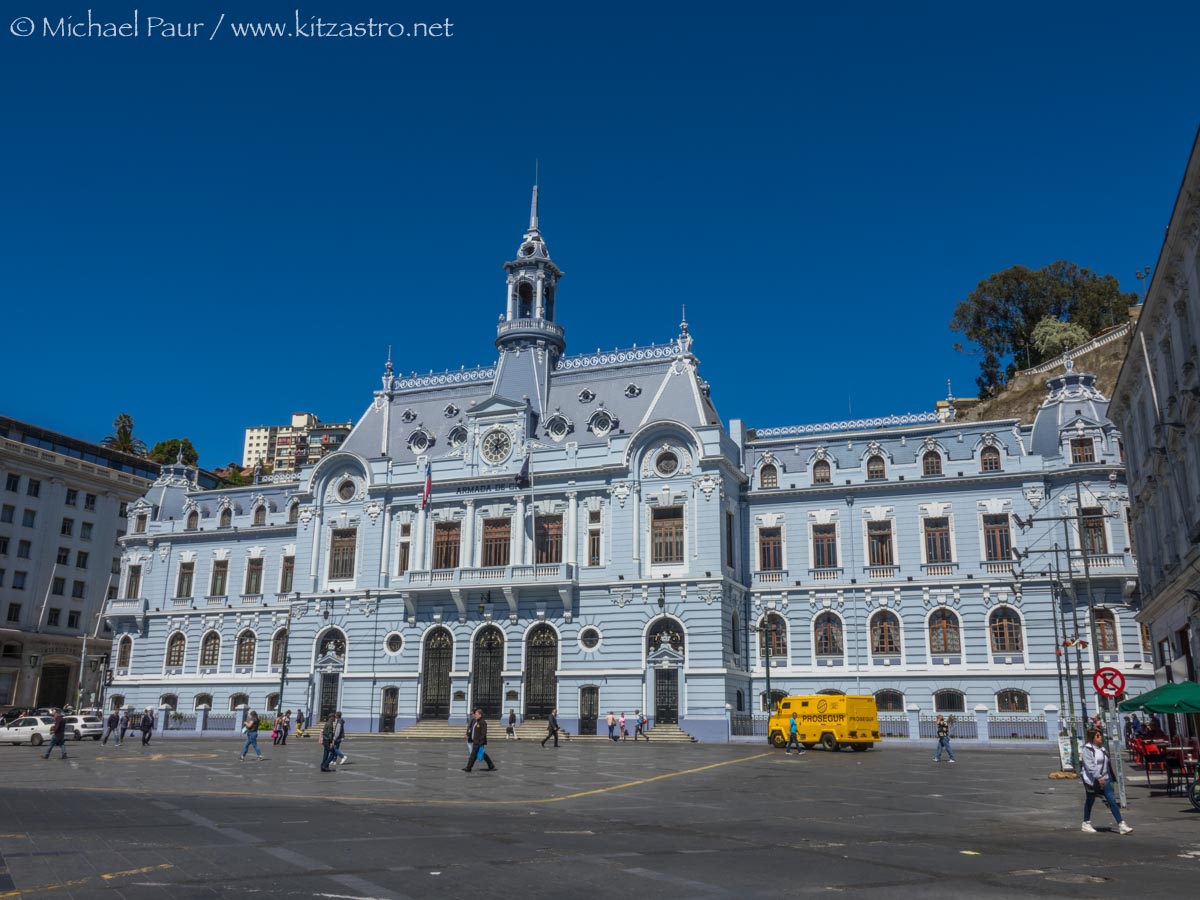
[584, 533]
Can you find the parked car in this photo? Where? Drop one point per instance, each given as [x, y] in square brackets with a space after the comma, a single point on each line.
[27, 729]
[80, 727]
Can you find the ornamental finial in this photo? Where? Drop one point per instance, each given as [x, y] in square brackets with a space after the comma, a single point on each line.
[1068, 363]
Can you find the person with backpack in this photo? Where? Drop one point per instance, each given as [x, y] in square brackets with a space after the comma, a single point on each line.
[943, 736]
[477, 733]
[339, 735]
[1097, 782]
[58, 736]
[250, 729]
[640, 726]
[793, 737]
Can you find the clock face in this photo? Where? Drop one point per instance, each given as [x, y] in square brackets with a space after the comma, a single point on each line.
[496, 446]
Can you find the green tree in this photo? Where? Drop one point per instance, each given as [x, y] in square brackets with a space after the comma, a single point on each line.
[166, 452]
[999, 316]
[123, 439]
[232, 476]
[1051, 334]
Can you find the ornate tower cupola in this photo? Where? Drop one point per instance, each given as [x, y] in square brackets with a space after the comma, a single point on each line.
[533, 277]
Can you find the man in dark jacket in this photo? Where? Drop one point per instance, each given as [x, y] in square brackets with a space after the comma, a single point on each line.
[478, 735]
[110, 727]
[552, 728]
[58, 736]
[147, 727]
[327, 743]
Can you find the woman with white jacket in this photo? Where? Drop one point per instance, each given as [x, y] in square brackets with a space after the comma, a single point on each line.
[1098, 782]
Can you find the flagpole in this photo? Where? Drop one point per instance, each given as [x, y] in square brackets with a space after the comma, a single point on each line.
[533, 509]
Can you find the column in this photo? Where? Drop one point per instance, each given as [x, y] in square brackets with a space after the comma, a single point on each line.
[466, 553]
[385, 556]
[914, 721]
[572, 548]
[518, 532]
[314, 563]
[540, 301]
[981, 722]
[1053, 723]
[635, 497]
[512, 300]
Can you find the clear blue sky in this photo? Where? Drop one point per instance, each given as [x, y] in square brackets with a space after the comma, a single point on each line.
[212, 234]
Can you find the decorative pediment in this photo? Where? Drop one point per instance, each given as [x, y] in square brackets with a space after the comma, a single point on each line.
[665, 657]
[497, 406]
[330, 663]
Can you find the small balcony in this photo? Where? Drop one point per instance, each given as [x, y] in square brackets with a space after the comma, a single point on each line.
[549, 573]
[771, 576]
[126, 605]
[825, 574]
[881, 573]
[939, 569]
[251, 599]
[1102, 561]
[996, 567]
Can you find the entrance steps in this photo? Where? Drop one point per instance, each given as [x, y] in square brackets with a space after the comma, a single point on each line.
[533, 730]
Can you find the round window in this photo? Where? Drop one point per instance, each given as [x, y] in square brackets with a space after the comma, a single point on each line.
[589, 638]
[557, 427]
[602, 423]
[458, 436]
[667, 463]
[346, 490]
[394, 643]
[418, 442]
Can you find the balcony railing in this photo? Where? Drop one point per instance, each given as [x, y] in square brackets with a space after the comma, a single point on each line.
[833, 574]
[549, 572]
[997, 567]
[127, 604]
[251, 599]
[935, 569]
[881, 572]
[1102, 561]
[771, 576]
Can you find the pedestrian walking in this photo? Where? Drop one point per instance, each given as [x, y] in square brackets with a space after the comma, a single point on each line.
[612, 726]
[124, 727]
[300, 723]
[510, 733]
[110, 728]
[339, 735]
[58, 736]
[1097, 782]
[621, 723]
[793, 737]
[147, 727]
[640, 726]
[327, 743]
[478, 733]
[551, 728]
[943, 736]
[250, 729]
[276, 727]
[287, 726]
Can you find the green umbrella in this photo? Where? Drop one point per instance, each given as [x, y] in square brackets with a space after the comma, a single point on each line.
[1181, 697]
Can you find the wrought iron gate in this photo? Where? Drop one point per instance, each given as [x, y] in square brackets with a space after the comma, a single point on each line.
[391, 703]
[435, 675]
[53, 686]
[329, 695]
[589, 709]
[541, 664]
[487, 683]
[666, 696]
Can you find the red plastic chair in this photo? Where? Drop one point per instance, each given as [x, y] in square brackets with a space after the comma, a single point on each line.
[1154, 760]
[1137, 751]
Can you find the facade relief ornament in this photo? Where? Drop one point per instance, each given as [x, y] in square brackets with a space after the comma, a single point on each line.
[163, 551]
[305, 515]
[374, 510]
[705, 484]
[1035, 496]
[621, 491]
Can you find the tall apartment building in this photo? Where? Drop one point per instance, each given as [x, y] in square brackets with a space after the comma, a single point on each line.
[62, 509]
[287, 448]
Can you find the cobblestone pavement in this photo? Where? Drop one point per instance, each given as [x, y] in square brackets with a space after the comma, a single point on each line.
[186, 818]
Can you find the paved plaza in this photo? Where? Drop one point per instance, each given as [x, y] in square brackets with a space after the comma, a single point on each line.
[185, 818]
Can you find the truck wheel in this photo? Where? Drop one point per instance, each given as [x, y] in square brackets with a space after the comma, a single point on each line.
[36, 740]
[777, 740]
[860, 748]
[829, 742]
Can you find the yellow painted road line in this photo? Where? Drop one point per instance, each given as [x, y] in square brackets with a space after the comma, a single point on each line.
[111, 875]
[47, 888]
[342, 798]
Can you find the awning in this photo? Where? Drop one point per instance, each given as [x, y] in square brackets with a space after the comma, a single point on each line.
[1180, 697]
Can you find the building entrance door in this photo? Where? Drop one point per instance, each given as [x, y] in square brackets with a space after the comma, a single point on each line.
[435, 675]
[666, 696]
[330, 681]
[487, 684]
[589, 709]
[541, 667]
[53, 685]
[387, 715]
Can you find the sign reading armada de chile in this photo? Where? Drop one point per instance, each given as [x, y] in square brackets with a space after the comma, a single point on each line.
[485, 488]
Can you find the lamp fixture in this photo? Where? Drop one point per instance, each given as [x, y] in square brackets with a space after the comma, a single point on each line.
[33, 660]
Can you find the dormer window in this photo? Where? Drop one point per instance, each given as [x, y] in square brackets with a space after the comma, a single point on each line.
[457, 436]
[632, 390]
[821, 472]
[989, 460]
[602, 423]
[139, 524]
[557, 427]
[260, 515]
[876, 470]
[587, 396]
[193, 521]
[226, 520]
[1083, 451]
[768, 476]
[931, 463]
[420, 441]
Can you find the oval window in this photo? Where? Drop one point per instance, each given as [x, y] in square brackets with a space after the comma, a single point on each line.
[346, 490]
[589, 638]
[667, 463]
[394, 643]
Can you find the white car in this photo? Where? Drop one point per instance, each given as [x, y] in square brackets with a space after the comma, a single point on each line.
[28, 729]
[80, 727]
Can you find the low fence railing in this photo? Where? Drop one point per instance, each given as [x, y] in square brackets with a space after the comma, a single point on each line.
[893, 726]
[223, 723]
[749, 725]
[961, 727]
[1017, 728]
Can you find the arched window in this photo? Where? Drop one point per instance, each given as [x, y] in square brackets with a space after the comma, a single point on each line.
[238, 701]
[740, 701]
[821, 472]
[175, 647]
[124, 652]
[524, 300]
[333, 643]
[1004, 626]
[279, 647]
[168, 701]
[989, 459]
[889, 701]
[1012, 701]
[1106, 631]
[776, 698]
[293, 513]
[226, 517]
[735, 628]
[885, 634]
[665, 631]
[876, 470]
[832, 692]
[272, 702]
[193, 520]
[949, 701]
[210, 650]
[118, 700]
[246, 644]
[202, 701]
[773, 634]
[768, 476]
[827, 634]
[260, 515]
[944, 634]
[931, 463]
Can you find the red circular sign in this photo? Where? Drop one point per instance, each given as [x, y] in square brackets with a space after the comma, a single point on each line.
[1109, 682]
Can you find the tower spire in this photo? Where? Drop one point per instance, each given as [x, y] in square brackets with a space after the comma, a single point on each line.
[533, 205]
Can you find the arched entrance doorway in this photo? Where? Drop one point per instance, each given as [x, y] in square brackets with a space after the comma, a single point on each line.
[435, 675]
[664, 653]
[388, 709]
[487, 682]
[331, 662]
[541, 666]
[53, 684]
[589, 708]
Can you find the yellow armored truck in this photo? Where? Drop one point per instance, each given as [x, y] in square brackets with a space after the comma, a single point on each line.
[831, 720]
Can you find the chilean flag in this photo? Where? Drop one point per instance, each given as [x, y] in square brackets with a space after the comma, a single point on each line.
[523, 476]
[427, 493]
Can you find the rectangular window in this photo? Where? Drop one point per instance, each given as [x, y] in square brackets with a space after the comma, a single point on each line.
[73, 618]
[133, 586]
[139, 524]
[287, 574]
[997, 538]
[1129, 531]
[123, 510]
[496, 537]
[1083, 450]
[33, 488]
[12, 482]
[19, 580]
[593, 546]
[666, 535]
[825, 554]
[53, 615]
[1, 578]
[67, 528]
[879, 543]
[64, 556]
[58, 585]
[29, 518]
[14, 612]
[729, 561]
[78, 589]
[72, 496]
[1095, 541]
[85, 530]
[254, 573]
[183, 583]
[3, 546]
[220, 578]
[770, 549]
[549, 539]
[341, 553]
[405, 545]
[7, 512]
[81, 559]
[23, 549]
[89, 502]
[445, 545]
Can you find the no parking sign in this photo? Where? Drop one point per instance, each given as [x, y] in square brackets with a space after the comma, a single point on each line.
[1109, 682]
